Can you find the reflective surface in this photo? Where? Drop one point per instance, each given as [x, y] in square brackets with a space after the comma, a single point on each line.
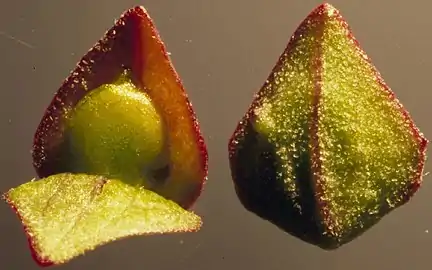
[223, 51]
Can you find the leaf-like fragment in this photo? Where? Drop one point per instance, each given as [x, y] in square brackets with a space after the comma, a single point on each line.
[66, 215]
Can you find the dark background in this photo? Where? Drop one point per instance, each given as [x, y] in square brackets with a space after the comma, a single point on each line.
[223, 51]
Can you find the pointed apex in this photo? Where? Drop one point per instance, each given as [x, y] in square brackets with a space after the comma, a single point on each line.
[324, 12]
[317, 21]
[138, 10]
[326, 8]
[135, 11]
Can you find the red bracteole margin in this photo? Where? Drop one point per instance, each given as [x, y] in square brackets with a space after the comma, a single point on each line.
[120, 48]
